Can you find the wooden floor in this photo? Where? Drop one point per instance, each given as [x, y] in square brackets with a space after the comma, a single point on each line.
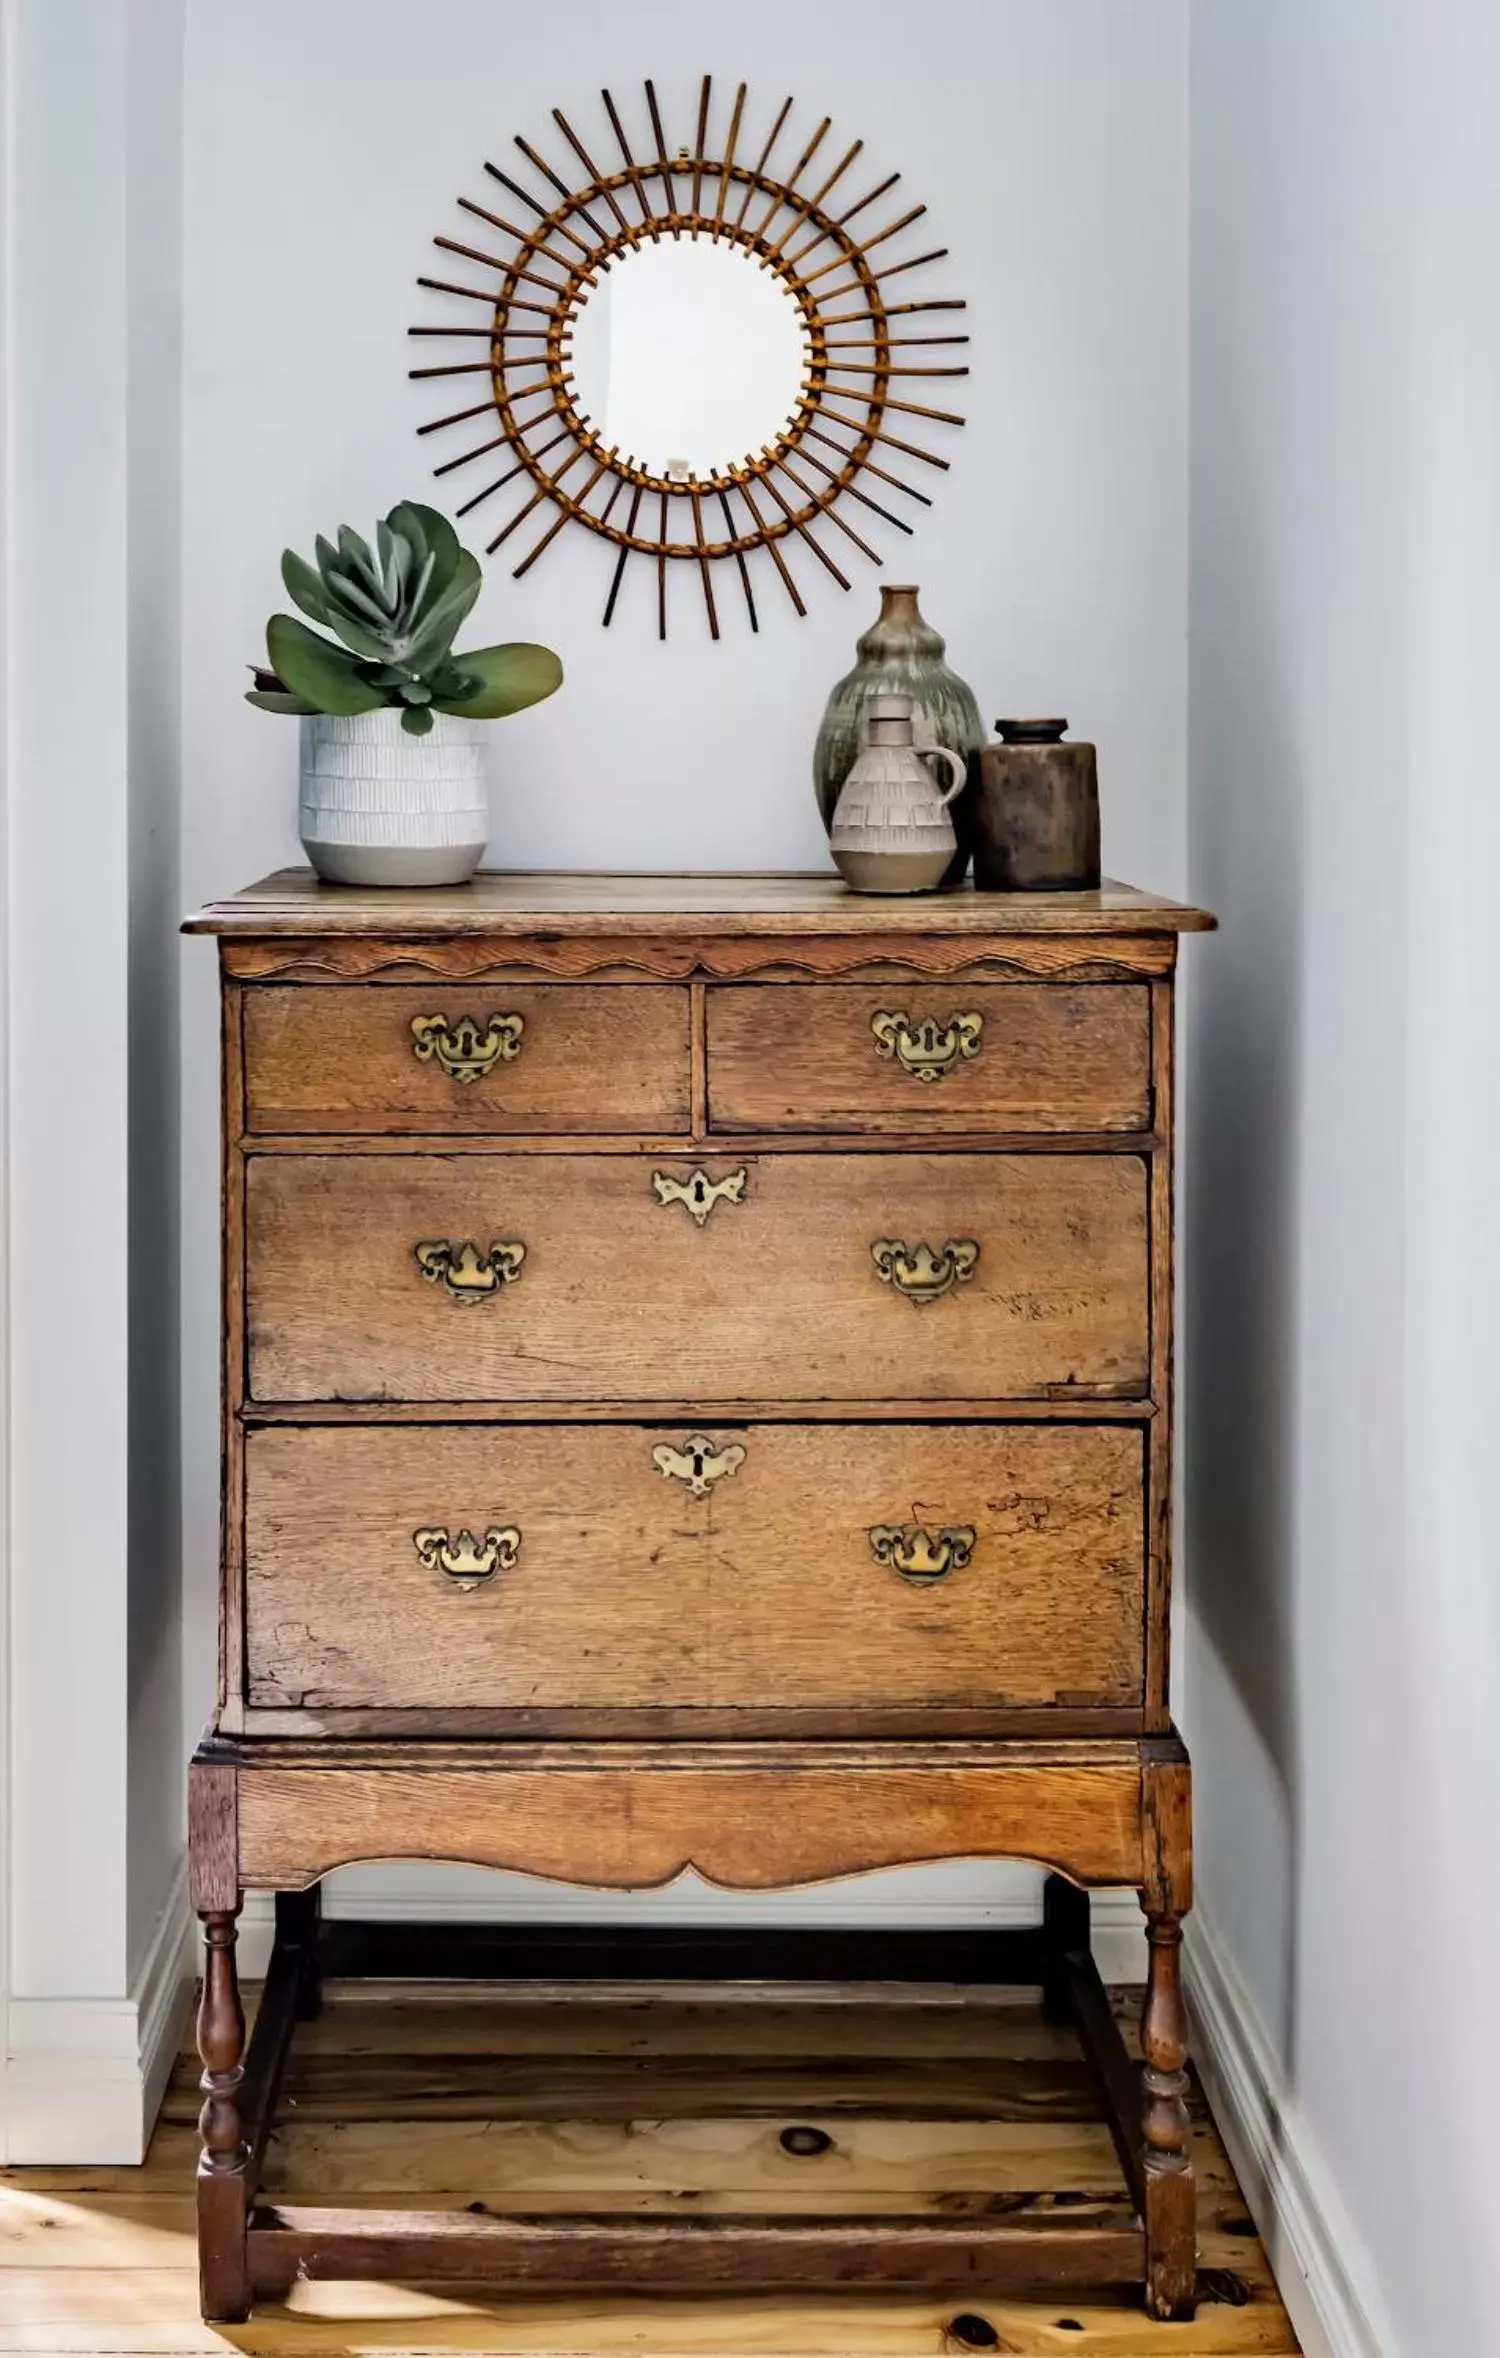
[606, 2097]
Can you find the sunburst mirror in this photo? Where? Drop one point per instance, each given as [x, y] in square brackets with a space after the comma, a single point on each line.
[695, 356]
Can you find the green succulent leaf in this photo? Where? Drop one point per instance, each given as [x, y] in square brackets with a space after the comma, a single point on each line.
[429, 643]
[405, 519]
[423, 594]
[448, 680]
[356, 557]
[416, 720]
[348, 593]
[429, 533]
[325, 674]
[279, 700]
[304, 586]
[358, 635]
[511, 678]
[395, 565]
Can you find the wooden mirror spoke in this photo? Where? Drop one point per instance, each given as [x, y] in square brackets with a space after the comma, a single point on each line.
[555, 244]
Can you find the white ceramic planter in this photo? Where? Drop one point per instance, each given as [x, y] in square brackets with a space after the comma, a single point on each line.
[379, 806]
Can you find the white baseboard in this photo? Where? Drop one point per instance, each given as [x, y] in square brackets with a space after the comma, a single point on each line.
[929, 1897]
[84, 2077]
[1324, 2272]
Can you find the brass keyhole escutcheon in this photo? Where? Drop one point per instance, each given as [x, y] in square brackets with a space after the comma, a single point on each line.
[698, 1194]
[926, 1049]
[464, 1051]
[699, 1462]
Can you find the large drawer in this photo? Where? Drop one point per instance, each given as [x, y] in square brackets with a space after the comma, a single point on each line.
[467, 1057]
[784, 1277]
[1020, 1057]
[615, 1566]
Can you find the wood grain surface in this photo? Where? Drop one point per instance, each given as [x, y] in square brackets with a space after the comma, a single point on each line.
[628, 1591]
[95, 2262]
[631, 956]
[745, 1823]
[624, 1298]
[804, 1057]
[292, 2244]
[495, 902]
[342, 1060]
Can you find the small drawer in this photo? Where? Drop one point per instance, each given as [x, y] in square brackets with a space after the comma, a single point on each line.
[920, 1276]
[761, 1566]
[466, 1058]
[1011, 1057]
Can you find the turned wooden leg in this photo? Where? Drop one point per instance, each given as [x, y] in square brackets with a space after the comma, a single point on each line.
[223, 2263]
[1170, 2208]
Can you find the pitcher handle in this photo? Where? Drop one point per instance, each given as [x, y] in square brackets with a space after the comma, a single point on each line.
[959, 766]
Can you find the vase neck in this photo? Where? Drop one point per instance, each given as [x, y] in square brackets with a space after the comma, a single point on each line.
[901, 627]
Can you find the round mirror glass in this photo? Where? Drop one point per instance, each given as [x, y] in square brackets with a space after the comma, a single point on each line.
[687, 356]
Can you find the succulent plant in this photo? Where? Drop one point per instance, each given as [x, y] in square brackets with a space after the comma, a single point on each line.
[395, 611]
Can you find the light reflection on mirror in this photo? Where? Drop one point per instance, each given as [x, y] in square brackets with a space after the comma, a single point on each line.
[687, 356]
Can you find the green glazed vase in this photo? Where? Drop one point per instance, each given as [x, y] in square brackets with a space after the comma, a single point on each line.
[900, 654]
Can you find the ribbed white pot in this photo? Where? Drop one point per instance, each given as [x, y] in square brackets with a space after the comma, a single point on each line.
[379, 806]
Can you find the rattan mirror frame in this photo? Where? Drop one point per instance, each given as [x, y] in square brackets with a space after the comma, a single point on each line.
[773, 498]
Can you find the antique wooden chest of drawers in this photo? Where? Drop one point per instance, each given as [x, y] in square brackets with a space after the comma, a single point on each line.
[697, 1390]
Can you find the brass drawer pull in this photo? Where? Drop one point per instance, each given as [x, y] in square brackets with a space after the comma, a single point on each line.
[467, 1560]
[697, 1462]
[700, 1193]
[464, 1051]
[468, 1274]
[921, 1274]
[920, 1555]
[927, 1050]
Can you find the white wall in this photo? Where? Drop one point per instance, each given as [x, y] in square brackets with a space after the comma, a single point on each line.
[1048, 138]
[1342, 1264]
[153, 623]
[1345, 605]
[93, 1951]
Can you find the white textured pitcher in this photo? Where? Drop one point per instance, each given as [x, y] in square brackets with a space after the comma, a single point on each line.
[891, 831]
[379, 806]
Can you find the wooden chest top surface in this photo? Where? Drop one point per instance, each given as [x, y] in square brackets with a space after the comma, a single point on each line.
[293, 901]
